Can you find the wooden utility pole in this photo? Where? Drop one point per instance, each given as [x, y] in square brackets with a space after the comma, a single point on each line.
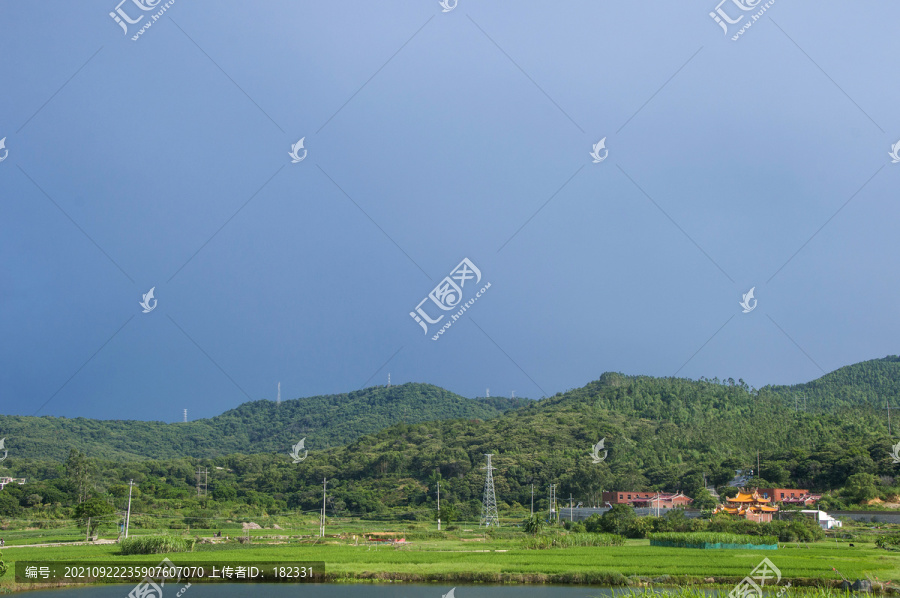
[439, 506]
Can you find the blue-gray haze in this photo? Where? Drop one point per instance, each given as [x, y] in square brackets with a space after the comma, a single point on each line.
[161, 159]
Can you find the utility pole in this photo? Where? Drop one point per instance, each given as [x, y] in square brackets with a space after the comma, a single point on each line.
[128, 512]
[553, 502]
[888, 401]
[532, 500]
[201, 486]
[322, 526]
[439, 506]
[570, 507]
[757, 463]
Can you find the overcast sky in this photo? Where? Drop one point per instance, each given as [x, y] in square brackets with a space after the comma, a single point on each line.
[161, 160]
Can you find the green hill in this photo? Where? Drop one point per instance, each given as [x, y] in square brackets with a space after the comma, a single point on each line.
[871, 383]
[254, 427]
[661, 434]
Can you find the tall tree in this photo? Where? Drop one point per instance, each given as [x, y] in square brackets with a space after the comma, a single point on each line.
[78, 472]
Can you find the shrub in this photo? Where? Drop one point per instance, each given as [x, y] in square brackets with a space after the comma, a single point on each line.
[888, 542]
[574, 526]
[687, 540]
[534, 524]
[569, 540]
[156, 545]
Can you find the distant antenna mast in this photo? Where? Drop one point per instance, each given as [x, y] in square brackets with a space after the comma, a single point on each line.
[489, 514]
[185, 416]
[487, 393]
[389, 379]
[278, 400]
[513, 394]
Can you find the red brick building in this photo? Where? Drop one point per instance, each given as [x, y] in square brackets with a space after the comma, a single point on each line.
[794, 496]
[662, 500]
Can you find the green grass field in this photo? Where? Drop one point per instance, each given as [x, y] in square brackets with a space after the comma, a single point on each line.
[472, 556]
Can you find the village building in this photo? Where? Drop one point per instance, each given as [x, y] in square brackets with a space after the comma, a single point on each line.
[824, 520]
[654, 500]
[749, 505]
[790, 496]
[4, 481]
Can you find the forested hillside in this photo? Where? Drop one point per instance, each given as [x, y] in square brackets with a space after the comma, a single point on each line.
[873, 383]
[254, 427]
[661, 434]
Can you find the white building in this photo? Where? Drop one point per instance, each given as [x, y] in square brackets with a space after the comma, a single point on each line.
[4, 481]
[824, 520]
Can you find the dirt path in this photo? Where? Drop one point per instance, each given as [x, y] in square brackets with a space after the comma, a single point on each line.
[59, 544]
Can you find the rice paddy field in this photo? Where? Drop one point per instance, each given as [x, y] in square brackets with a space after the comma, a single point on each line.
[469, 555]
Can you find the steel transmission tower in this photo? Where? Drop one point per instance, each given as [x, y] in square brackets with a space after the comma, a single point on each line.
[489, 514]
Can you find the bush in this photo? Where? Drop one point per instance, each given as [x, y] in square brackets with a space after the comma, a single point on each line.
[156, 545]
[534, 524]
[888, 542]
[574, 526]
[687, 540]
[569, 540]
[617, 520]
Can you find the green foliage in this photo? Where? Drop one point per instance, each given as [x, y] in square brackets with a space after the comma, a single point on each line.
[662, 434]
[888, 542]
[703, 500]
[95, 511]
[574, 526]
[449, 513]
[78, 473]
[572, 539]
[687, 540]
[254, 427]
[861, 487]
[861, 384]
[618, 520]
[156, 544]
[534, 525]
[3, 567]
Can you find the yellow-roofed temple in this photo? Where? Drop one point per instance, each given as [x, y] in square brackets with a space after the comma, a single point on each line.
[749, 505]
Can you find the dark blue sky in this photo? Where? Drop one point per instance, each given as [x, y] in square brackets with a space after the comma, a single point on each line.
[433, 137]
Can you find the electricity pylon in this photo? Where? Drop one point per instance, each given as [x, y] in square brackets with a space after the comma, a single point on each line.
[489, 514]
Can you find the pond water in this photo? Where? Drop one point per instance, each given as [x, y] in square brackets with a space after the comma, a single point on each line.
[312, 590]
